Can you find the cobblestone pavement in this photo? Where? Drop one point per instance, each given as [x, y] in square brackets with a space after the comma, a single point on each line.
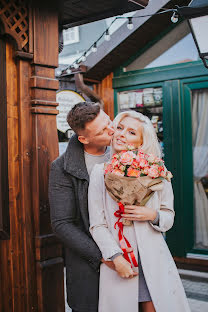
[196, 290]
[197, 293]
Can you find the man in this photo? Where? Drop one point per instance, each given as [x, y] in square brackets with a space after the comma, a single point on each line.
[68, 193]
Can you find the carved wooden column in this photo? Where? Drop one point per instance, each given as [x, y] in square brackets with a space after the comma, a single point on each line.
[31, 276]
[49, 264]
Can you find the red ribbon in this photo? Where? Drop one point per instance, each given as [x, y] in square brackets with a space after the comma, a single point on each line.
[122, 238]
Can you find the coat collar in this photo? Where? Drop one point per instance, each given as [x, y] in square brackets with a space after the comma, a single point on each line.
[74, 161]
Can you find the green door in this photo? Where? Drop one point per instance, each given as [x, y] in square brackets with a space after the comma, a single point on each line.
[184, 118]
[196, 144]
[186, 145]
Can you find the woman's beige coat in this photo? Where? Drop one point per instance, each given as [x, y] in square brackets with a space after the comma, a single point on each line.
[162, 278]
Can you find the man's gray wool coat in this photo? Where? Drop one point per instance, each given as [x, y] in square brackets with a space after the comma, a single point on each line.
[68, 193]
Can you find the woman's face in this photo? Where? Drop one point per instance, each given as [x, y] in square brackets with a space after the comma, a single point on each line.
[128, 131]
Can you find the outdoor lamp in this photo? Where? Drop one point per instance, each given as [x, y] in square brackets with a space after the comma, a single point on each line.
[196, 14]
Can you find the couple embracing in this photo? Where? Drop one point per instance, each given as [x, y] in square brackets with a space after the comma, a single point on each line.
[99, 276]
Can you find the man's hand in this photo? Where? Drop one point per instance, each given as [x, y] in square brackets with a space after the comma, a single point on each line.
[123, 267]
[139, 213]
[110, 264]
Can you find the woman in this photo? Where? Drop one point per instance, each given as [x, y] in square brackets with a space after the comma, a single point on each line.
[157, 287]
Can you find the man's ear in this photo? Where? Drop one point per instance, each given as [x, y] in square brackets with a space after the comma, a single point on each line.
[83, 139]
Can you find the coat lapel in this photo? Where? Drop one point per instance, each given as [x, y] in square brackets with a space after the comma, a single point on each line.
[74, 162]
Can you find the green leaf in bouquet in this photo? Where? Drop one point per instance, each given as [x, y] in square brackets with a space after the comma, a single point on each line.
[143, 175]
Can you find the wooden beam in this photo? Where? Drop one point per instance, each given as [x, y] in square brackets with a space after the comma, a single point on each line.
[92, 80]
[81, 86]
[48, 250]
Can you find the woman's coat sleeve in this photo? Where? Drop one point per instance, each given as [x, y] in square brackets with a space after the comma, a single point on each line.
[98, 225]
[166, 210]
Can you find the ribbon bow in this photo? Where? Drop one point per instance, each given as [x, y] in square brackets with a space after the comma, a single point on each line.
[122, 238]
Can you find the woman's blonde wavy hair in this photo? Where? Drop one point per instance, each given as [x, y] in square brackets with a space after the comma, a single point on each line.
[150, 141]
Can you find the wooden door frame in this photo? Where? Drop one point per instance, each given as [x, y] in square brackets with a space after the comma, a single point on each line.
[187, 86]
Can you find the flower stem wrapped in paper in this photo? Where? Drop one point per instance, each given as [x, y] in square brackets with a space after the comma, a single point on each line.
[132, 177]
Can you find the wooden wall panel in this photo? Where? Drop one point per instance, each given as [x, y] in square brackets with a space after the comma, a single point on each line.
[4, 188]
[105, 91]
[18, 281]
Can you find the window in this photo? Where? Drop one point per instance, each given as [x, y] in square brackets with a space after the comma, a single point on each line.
[71, 35]
[148, 101]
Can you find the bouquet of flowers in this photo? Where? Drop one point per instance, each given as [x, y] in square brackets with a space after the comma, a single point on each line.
[132, 177]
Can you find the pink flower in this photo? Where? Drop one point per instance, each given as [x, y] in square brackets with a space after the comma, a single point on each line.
[127, 158]
[146, 170]
[115, 156]
[155, 166]
[135, 164]
[163, 174]
[140, 155]
[122, 167]
[143, 163]
[108, 169]
[157, 160]
[115, 163]
[140, 151]
[118, 172]
[133, 173]
[151, 158]
[131, 147]
[153, 173]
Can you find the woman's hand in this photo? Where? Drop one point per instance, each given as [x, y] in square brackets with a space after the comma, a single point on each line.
[139, 213]
[123, 267]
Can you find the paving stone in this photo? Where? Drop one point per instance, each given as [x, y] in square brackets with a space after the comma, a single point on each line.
[197, 305]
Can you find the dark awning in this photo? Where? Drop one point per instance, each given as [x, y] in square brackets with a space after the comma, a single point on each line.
[125, 43]
[76, 12]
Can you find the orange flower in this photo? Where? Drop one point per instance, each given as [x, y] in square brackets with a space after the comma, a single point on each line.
[133, 173]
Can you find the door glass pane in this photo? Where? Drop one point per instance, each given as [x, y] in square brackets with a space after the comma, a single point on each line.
[200, 165]
[148, 101]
